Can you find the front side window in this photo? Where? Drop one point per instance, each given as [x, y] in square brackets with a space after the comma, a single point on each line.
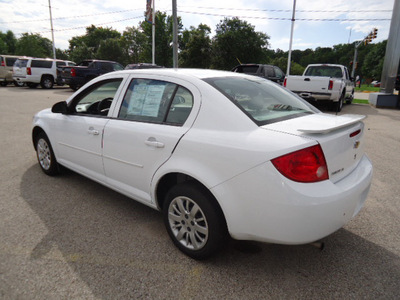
[156, 101]
[261, 100]
[97, 99]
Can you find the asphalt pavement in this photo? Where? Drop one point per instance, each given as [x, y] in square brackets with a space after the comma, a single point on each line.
[67, 237]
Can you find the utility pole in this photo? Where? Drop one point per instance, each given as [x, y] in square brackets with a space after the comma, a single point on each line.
[52, 31]
[175, 35]
[368, 39]
[153, 32]
[291, 39]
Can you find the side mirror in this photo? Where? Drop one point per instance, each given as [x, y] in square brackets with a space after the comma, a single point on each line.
[60, 108]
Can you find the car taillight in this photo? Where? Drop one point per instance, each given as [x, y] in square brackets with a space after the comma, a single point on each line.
[3, 63]
[330, 86]
[73, 72]
[284, 82]
[28, 71]
[306, 165]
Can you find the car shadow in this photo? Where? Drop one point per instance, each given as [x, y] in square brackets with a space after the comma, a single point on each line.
[121, 250]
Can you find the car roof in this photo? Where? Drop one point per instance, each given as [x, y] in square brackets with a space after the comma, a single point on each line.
[177, 72]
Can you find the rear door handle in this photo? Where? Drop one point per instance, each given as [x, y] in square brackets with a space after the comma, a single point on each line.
[152, 142]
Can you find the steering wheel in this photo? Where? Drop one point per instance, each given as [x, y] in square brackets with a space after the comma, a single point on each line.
[104, 106]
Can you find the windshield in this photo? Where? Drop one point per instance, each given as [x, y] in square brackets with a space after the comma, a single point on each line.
[262, 100]
[324, 71]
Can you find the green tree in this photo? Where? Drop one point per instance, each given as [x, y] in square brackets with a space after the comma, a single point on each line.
[196, 47]
[8, 42]
[110, 49]
[373, 62]
[34, 45]
[237, 40]
[133, 43]
[87, 45]
[164, 25]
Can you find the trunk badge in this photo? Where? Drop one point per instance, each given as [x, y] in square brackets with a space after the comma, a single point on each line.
[356, 144]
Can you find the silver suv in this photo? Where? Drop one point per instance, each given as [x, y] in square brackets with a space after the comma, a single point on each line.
[6, 68]
[35, 71]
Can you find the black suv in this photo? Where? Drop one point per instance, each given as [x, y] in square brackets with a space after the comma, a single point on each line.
[266, 71]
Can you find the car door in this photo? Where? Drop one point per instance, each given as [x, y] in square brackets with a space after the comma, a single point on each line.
[79, 133]
[153, 116]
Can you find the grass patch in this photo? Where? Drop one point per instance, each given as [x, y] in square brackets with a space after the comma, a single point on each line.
[367, 88]
[362, 101]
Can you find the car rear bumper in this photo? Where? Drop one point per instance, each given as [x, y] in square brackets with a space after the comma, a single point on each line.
[286, 212]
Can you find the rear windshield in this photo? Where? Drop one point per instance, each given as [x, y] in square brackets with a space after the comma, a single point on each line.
[324, 71]
[21, 63]
[262, 100]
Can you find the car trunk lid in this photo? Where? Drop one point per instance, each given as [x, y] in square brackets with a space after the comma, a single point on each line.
[341, 139]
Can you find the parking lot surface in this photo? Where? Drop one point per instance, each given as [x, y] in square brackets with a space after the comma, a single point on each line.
[67, 237]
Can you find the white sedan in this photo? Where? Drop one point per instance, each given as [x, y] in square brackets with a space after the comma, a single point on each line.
[219, 153]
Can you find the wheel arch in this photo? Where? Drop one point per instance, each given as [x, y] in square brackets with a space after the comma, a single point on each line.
[35, 132]
[167, 181]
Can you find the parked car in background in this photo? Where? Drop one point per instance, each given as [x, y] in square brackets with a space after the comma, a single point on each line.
[270, 72]
[35, 71]
[323, 83]
[86, 70]
[6, 69]
[142, 66]
[217, 152]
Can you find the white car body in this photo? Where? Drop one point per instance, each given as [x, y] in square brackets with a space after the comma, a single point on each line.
[223, 150]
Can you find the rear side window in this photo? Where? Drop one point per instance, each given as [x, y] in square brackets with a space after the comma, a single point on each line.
[61, 63]
[45, 64]
[156, 101]
[261, 100]
[269, 71]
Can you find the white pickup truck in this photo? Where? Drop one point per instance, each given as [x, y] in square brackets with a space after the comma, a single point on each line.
[323, 82]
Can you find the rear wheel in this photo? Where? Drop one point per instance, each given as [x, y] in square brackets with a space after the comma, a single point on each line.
[47, 82]
[47, 160]
[19, 83]
[194, 221]
[3, 83]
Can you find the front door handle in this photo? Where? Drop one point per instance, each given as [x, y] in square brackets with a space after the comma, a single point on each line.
[93, 131]
[154, 143]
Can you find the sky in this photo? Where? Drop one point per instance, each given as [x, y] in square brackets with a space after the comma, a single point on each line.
[318, 23]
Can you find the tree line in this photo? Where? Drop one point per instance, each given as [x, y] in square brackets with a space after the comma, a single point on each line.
[235, 41]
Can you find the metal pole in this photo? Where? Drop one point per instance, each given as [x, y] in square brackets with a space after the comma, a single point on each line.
[291, 39]
[175, 35]
[392, 55]
[153, 26]
[356, 45]
[52, 31]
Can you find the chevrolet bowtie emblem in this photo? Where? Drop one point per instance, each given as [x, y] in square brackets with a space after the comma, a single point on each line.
[356, 144]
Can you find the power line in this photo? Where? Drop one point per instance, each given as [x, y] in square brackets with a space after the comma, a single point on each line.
[287, 19]
[289, 10]
[71, 17]
[101, 24]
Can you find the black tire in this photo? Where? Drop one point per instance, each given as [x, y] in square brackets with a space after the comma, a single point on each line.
[19, 83]
[350, 99]
[194, 221]
[47, 82]
[337, 106]
[45, 155]
[73, 87]
[4, 83]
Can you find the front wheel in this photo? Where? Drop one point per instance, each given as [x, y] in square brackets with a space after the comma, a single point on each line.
[194, 221]
[45, 155]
